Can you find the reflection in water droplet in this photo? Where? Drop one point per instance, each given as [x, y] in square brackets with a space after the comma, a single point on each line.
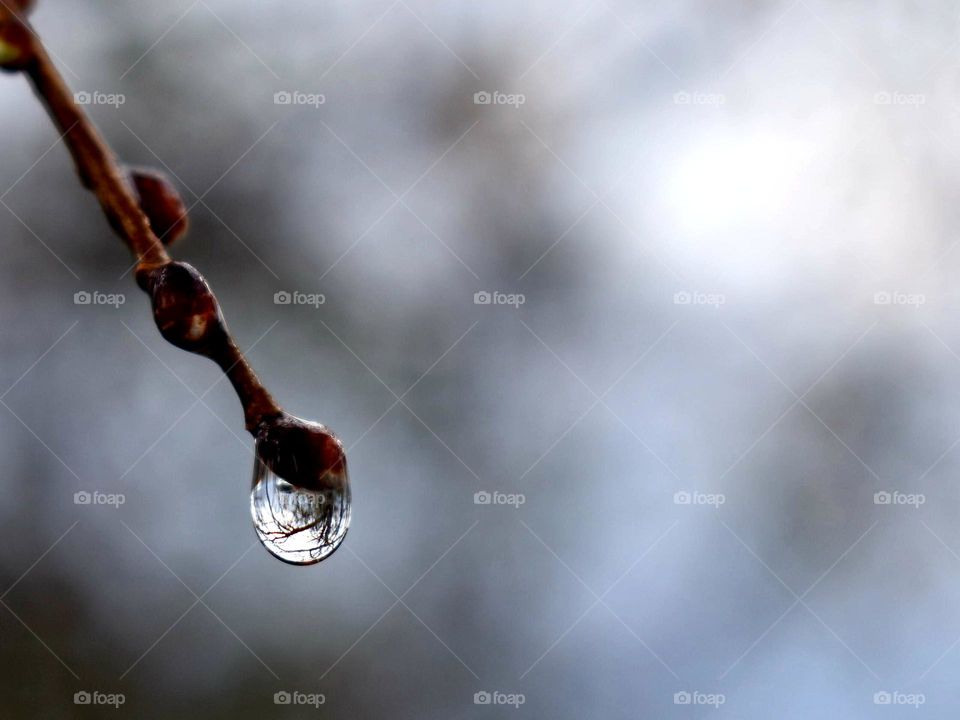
[297, 525]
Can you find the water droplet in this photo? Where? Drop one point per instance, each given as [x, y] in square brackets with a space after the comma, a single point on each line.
[302, 518]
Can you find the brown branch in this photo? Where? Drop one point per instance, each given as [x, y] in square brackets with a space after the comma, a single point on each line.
[185, 308]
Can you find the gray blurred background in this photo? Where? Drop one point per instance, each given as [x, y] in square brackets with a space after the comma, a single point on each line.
[734, 228]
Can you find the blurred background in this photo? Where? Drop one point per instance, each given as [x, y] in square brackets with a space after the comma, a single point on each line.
[639, 322]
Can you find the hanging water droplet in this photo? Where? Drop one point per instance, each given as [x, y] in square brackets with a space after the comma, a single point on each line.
[300, 500]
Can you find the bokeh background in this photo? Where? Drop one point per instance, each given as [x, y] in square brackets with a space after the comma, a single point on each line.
[734, 228]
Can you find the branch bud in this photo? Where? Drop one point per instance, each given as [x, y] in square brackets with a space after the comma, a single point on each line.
[184, 307]
[161, 203]
[305, 454]
[16, 49]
